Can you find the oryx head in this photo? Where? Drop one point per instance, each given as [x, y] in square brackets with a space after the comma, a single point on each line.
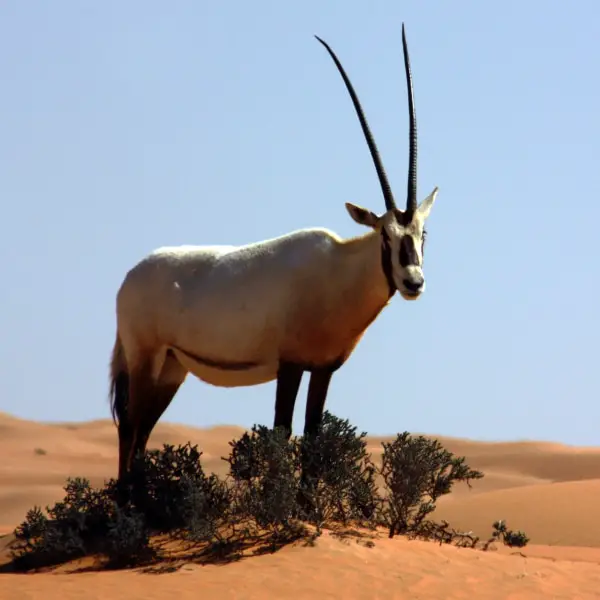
[402, 231]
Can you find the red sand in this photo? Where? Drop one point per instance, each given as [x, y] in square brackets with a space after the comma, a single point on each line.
[550, 491]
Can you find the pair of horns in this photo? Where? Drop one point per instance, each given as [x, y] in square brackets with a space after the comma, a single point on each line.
[411, 198]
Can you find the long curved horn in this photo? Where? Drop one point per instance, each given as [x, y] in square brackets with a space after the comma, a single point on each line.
[383, 180]
[411, 195]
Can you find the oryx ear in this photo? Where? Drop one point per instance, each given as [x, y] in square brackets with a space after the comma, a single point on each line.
[425, 206]
[362, 216]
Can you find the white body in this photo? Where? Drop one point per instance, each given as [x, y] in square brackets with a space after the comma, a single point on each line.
[304, 297]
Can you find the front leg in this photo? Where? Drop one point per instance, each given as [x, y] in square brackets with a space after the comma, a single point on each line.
[289, 377]
[315, 403]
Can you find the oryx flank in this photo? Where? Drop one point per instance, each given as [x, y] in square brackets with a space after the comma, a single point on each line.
[270, 310]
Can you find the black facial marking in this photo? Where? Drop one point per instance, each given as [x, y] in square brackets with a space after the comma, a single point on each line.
[403, 217]
[408, 252]
[386, 260]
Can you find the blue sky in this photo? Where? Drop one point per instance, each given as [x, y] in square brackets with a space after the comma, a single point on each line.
[125, 126]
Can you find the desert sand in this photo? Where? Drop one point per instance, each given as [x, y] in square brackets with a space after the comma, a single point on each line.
[551, 491]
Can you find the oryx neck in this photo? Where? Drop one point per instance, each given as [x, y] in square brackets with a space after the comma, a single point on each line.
[373, 266]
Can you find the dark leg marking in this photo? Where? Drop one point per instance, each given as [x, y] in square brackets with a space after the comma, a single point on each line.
[130, 414]
[140, 399]
[170, 379]
[155, 405]
[315, 403]
[126, 434]
[147, 401]
[162, 397]
[289, 377]
[120, 412]
[125, 443]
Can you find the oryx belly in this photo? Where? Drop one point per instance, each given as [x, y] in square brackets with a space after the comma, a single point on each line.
[226, 377]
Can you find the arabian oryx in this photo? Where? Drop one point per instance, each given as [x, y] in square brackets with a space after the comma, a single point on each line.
[269, 310]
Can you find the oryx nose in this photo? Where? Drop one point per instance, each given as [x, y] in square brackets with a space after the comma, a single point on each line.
[413, 285]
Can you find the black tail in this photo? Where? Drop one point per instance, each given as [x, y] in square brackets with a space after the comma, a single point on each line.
[119, 384]
[119, 396]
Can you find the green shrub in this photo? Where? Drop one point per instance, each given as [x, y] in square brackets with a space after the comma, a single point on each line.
[263, 466]
[275, 485]
[86, 522]
[339, 477]
[416, 472]
[175, 493]
[513, 539]
[127, 539]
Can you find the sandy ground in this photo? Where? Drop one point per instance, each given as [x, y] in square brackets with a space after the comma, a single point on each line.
[551, 491]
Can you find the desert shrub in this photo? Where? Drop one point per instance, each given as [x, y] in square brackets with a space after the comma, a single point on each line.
[514, 539]
[338, 480]
[274, 485]
[127, 539]
[176, 494]
[205, 507]
[176, 497]
[263, 466]
[416, 472]
[327, 477]
[86, 521]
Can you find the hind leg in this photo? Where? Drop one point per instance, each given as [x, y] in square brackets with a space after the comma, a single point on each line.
[139, 399]
[150, 398]
[172, 375]
[152, 383]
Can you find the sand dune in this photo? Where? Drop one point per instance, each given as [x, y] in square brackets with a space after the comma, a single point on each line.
[557, 514]
[551, 491]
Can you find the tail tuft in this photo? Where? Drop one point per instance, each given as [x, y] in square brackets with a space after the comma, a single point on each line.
[119, 383]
